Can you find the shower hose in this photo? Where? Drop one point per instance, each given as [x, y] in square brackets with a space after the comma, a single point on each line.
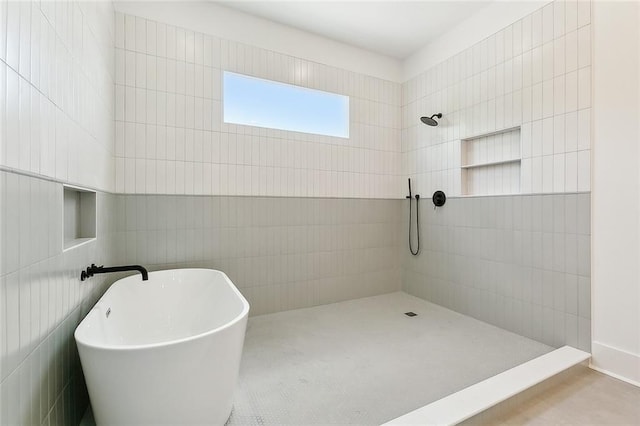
[415, 253]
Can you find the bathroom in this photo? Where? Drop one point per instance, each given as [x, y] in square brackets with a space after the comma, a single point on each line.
[116, 148]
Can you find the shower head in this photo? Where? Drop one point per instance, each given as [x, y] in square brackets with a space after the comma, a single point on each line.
[430, 121]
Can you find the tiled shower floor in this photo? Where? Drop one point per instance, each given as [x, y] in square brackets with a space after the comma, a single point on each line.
[364, 362]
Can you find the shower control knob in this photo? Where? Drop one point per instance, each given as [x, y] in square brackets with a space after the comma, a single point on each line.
[439, 198]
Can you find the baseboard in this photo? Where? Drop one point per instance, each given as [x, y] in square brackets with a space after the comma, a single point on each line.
[616, 363]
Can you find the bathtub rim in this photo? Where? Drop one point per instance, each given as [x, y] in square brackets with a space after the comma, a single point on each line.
[121, 348]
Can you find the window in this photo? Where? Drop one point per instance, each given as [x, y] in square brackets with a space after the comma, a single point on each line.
[264, 103]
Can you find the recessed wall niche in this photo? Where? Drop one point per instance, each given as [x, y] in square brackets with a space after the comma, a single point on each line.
[491, 163]
[79, 216]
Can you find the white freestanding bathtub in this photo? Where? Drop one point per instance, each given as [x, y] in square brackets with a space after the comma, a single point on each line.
[164, 351]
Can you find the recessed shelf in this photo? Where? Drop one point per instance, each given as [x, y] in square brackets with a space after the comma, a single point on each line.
[494, 163]
[79, 213]
[491, 163]
[484, 135]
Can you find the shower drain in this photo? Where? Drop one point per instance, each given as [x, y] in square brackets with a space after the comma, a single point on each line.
[410, 314]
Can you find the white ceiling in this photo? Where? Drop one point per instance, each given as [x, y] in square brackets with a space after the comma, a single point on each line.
[392, 28]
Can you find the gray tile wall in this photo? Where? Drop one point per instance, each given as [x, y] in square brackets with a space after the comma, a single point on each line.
[42, 301]
[519, 262]
[282, 253]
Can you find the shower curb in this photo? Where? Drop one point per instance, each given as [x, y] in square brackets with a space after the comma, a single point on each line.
[473, 400]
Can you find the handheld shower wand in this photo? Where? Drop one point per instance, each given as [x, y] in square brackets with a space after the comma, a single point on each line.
[410, 197]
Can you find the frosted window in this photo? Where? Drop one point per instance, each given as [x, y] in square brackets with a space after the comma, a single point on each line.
[265, 103]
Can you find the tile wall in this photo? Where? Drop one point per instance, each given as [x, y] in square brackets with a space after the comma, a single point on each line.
[521, 262]
[536, 74]
[56, 126]
[282, 253]
[171, 139]
[254, 191]
[56, 75]
[42, 301]
[198, 192]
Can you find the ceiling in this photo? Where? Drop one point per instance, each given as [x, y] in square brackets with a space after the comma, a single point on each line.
[392, 28]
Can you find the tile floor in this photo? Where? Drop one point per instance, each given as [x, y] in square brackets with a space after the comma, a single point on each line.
[364, 362]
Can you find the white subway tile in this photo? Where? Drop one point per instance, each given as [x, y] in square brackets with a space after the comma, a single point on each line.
[547, 23]
[517, 38]
[558, 134]
[525, 177]
[184, 73]
[584, 170]
[527, 69]
[130, 32]
[536, 65]
[180, 182]
[536, 28]
[584, 46]
[558, 18]
[547, 136]
[151, 107]
[571, 172]
[526, 140]
[571, 15]
[152, 69]
[130, 68]
[181, 46]
[537, 102]
[571, 51]
[559, 95]
[547, 98]
[120, 174]
[571, 131]
[25, 40]
[559, 54]
[140, 141]
[140, 105]
[508, 42]
[547, 174]
[141, 35]
[199, 49]
[559, 173]
[151, 36]
[141, 70]
[119, 139]
[161, 40]
[584, 13]
[536, 138]
[536, 175]
[189, 46]
[584, 129]
[171, 43]
[140, 176]
[584, 88]
[151, 177]
[571, 91]
[499, 42]
[129, 140]
[119, 31]
[527, 36]
[547, 61]
[129, 175]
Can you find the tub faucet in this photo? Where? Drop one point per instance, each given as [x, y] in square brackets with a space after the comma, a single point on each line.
[93, 269]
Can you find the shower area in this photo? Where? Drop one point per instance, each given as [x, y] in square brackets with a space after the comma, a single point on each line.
[369, 299]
